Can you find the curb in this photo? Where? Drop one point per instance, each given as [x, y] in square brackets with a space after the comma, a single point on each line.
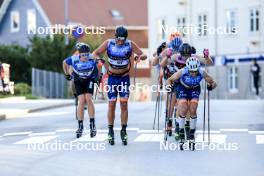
[49, 107]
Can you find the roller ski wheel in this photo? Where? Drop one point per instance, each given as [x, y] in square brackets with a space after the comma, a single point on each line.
[182, 145]
[111, 138]
[187, 130]
[79, 133]
[124, 137]
[192, 145]
[92, 130]
[169, 128]
[176, 134]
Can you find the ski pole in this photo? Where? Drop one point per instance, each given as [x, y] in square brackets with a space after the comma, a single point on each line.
[208, 113]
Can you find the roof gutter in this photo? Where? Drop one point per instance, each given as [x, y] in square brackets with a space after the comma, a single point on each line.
[4, 8]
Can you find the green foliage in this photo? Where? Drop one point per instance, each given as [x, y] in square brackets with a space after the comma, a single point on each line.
[22, 89]
[15, 55]
[48, 53]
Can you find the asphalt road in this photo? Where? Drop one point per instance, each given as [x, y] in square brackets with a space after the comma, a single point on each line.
[44, 143]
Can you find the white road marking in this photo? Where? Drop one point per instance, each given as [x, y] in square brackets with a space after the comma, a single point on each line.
[259, 139]
[234, 130]
[17, 133]
[214, 138]
[87, 138]
[46, 114]
[149, 138]
[43, 134]
[65, 130]
[36, 140]
[150, 131]
[211, 131]
[255, 132]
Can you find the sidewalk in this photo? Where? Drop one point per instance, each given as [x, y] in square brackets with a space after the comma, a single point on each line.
[14, 107]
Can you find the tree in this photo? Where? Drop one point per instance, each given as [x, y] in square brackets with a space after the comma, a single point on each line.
[16, 55]
[48, 53]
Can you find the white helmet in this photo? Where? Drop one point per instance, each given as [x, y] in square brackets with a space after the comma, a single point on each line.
[193, 64]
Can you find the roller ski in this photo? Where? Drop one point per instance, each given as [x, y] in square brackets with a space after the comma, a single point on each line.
[181, 139]
[169, 128]
[187, 129]
[79, 132]
[92, 130]
[192, 140]
[111, 138]
[177, 132]
[124, 137]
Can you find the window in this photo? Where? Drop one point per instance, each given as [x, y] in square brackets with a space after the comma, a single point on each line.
[254, 20]
[161, 29]
[231, 21]
[202, 25]
[15, 21]
[181, 24]
[233, 79]
[31, 20]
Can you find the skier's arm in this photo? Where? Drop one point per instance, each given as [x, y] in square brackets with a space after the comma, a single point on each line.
[209, 79]
[138, 51]
[176, 76]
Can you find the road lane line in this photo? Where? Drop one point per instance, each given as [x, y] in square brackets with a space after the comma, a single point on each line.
[43, 134]
[211, 131]
[36, 140]
[87, 138]
[17, 133]
[214, 138]
[255, 132]
[149, 138]
[234, 130]
[259, 139]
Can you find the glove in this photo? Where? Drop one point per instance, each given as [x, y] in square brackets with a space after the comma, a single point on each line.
[68, 77]
[206, 53]
[160, 48]
[169, 52]
[209, 87]
[193, 50]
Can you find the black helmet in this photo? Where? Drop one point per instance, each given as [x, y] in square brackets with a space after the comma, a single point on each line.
[185, 49]
[121, 31]
[84, 48]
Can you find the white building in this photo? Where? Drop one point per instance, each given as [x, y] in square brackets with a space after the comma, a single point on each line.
[240, 35]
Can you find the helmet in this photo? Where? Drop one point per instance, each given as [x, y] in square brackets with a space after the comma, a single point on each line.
[121, 32]
[78, 45]
[173, 35]
[84, 48]
[176, 43]
[192, 64]
[185, 49]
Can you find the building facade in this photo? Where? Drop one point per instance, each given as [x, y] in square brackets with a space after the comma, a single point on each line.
[232, 30]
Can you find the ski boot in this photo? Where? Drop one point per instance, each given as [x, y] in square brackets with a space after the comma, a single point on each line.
[92, 130]
[79, 132]
[169, 127]
[192, 140]
[111, 137]
[187, 129]
[182, 138]
[124, 137]
[177, 134]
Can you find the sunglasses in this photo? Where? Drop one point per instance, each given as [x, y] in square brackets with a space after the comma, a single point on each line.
[121, 38]
[84, 55]
[193, 71]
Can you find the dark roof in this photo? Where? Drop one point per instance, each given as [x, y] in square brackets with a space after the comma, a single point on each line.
[98, 12]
